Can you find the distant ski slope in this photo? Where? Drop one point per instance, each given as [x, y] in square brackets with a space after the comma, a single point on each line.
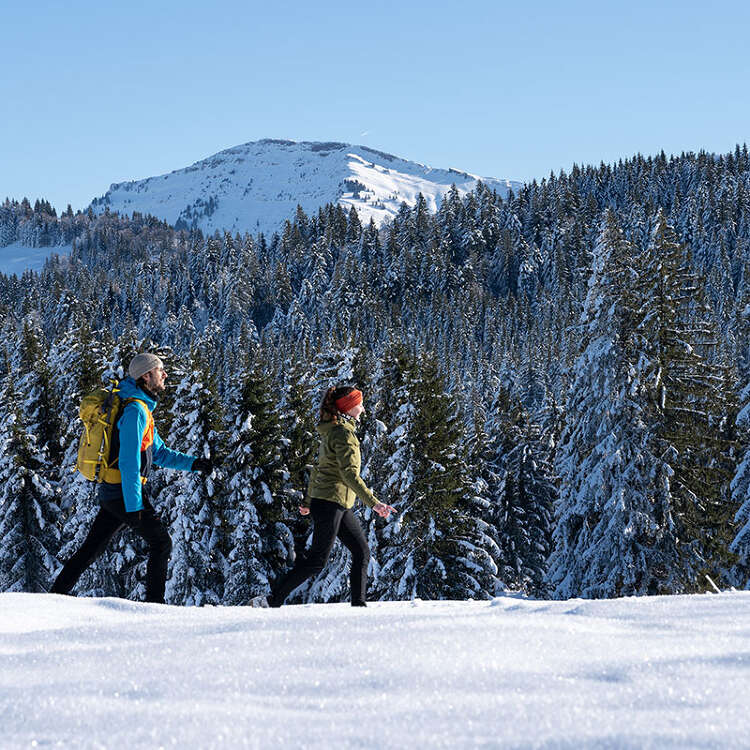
[257, 186]
[659, 672]
[16, 258]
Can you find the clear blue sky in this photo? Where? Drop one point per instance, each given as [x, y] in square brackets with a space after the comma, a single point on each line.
[95, 93]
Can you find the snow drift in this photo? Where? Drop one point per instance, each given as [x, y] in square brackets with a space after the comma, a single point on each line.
[631, 673]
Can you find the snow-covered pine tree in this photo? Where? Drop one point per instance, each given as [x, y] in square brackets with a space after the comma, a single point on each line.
[299, 446]
[741, 482]
[29, 535]
[694, 405]
[528, 498]
[614, 532]
[333, 365]
[741, 496]
[431, 551]
[393, 468]
[486, 485]
[262, 544]
[41, 401]
[199, 530]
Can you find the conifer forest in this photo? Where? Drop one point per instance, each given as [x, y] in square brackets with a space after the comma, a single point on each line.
[556, 383]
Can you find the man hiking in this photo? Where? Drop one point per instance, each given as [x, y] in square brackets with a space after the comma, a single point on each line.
[137, 445]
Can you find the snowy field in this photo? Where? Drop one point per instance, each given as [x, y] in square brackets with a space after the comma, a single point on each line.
[17, 258]
[663, 672]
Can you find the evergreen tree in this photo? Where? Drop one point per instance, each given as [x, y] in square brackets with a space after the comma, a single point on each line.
[741, 496]
[494, 284]
[614, 534]
[529, 496]
[41, 409]
[262, 545]
[199, 530]
[431, 551]
[28, 533]
[692, 392]
[298, 451]
[486, 487]
[518, 494]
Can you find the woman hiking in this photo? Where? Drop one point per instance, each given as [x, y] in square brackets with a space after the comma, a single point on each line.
[334, 484]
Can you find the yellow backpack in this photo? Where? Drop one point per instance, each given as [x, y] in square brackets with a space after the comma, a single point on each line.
[99, 411]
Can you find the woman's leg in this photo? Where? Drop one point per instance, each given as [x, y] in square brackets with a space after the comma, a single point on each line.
[326, 519]
[353, 538]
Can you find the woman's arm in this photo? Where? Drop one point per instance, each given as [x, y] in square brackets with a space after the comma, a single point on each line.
[347, 456]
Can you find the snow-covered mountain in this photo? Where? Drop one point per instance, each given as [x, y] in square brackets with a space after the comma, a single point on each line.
[257, 186]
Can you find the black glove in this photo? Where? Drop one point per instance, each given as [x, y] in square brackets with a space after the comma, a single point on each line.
[133, 518]
[203, 465]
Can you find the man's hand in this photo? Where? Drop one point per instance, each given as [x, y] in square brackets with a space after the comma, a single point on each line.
[203, 465]
[384, 510]
[304, 510]
[133, 518]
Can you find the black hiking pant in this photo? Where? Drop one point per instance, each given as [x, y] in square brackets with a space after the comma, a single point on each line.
[330, 520]
[111, 519]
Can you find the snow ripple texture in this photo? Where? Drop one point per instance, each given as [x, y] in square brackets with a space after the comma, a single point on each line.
[661, 672]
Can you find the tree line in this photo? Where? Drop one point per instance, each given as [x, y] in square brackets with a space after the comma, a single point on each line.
[556, 385]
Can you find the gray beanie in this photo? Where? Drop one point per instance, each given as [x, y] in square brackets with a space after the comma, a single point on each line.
[142, 363]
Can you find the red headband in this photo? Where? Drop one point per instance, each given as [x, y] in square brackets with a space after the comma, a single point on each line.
[349, 401]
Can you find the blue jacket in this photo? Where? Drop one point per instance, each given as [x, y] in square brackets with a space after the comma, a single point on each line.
[132, 425]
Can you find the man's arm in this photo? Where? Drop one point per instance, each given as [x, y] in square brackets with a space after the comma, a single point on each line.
[168, 458]
[132, 425]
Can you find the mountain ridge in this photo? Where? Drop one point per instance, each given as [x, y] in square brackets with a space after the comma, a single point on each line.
[257, 186]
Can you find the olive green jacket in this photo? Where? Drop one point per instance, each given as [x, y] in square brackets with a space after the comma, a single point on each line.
[336, 477]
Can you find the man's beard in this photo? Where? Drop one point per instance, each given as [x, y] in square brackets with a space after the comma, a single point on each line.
[154, 390]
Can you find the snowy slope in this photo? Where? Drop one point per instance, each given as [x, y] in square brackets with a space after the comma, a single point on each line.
[662, 672]
[16, 258]
[257, 186]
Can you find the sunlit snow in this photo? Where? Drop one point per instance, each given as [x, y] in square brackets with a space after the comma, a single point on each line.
[17, 258]
[511, 673]
[256, 187]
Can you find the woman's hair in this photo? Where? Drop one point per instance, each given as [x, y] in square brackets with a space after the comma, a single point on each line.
[328, 410]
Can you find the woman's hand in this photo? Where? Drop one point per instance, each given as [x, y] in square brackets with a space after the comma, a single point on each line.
[384, 510]
[304, 510]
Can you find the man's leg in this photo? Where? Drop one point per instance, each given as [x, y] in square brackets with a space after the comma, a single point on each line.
[326, 520]
[104, 527]
[353, 538]
[155, 533]
[149, 527]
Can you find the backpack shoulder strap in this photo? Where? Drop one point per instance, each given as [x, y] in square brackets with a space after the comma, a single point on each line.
[136, 400]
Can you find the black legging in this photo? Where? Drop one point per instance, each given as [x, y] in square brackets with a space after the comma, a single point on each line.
[110, 519]
[329, 521]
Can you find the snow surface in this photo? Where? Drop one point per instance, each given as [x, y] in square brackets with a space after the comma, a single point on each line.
[256, 187]
[661, 672]
[17, 258]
